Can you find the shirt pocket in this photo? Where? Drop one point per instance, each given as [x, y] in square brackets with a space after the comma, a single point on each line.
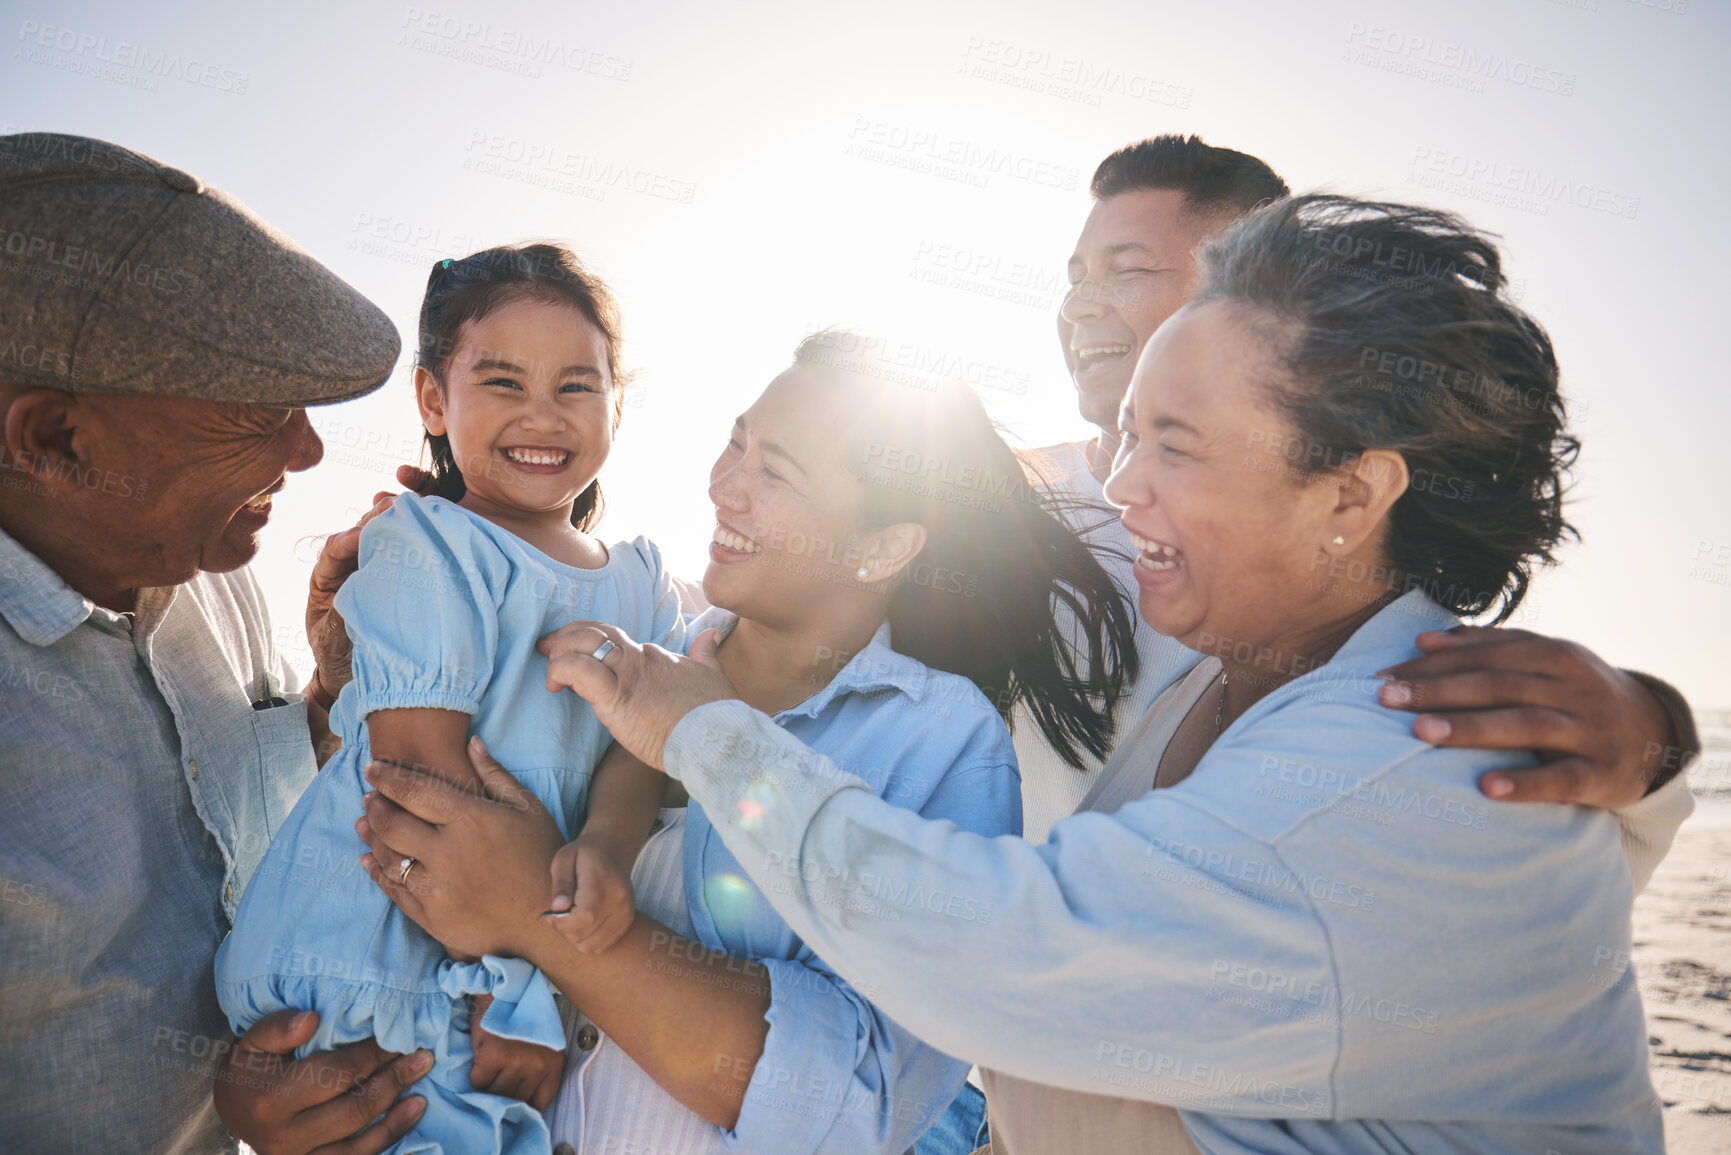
[284, 769]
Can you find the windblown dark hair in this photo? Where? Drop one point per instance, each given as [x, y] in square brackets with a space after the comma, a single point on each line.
[1214, 180]
[989, 518]
[467, 289]
[1396, 331]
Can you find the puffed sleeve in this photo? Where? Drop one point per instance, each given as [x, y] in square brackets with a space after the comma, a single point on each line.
[667, 622]
[837, 1074]
[423, 609]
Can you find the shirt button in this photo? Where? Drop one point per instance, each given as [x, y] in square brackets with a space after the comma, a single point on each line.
[564, 1149]
[655, 827]
[587, 1037]
[192, 768]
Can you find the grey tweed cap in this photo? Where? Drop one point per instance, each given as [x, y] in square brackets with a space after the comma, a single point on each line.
[119, 274]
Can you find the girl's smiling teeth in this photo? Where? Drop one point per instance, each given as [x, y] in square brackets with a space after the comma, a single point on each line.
[727, 539]
[1155, 555]
[524, 455]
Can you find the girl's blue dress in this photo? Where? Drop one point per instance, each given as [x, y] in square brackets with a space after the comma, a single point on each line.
[445, 612]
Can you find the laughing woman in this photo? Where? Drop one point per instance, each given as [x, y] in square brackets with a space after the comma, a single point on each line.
[1286, 925]
[870, 619]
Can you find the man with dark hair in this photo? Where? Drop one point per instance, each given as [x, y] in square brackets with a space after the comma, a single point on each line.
[1609, 733]
[1155, 202]
[1217, 182]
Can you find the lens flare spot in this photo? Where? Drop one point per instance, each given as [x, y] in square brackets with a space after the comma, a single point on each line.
[759, 798]
[731, 900]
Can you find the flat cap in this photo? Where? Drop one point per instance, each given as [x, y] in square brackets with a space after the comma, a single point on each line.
[119, 274]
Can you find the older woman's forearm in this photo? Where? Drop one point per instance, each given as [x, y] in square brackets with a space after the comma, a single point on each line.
[692, 1018]
[1030, 960]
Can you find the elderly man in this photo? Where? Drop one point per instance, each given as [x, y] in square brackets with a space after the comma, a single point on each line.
[158, 344]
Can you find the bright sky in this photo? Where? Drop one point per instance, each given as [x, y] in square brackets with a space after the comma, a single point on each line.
[743, 171]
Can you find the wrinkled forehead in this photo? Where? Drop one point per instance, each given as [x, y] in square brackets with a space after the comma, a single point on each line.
[156, 423]
[196, 411]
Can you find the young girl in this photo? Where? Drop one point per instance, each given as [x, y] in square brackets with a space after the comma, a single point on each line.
[517, 379]
[891, 627]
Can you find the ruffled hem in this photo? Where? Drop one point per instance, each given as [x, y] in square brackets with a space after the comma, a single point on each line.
[402, 1020]
[459, 1120]
[523, 1007]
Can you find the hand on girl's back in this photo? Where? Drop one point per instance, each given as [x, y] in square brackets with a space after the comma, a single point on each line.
[593, 904]
[415, 479]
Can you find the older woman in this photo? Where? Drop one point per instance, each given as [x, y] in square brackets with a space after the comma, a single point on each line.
[1286, 916]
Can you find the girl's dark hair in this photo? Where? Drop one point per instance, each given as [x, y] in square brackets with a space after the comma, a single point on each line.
[981, 599]
[467, 289]
[1396, 332]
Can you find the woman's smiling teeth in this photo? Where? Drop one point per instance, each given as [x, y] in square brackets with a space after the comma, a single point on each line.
[259, 504]
[733, 541]
[1156, 556]
[539, 456]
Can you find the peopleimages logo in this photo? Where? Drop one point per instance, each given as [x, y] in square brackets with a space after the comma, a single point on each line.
[877, 140]
[1444, 61]
[1446, 169]
[72, 264]
[1270, 882]
[498, 154]
[911, 363]
[1066, 77]
[88, 47]
[1197, 1085]
[1288, 994]
[484, 36]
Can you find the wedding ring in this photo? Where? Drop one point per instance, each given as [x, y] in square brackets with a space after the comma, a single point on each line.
[403, 871]
[601, 651]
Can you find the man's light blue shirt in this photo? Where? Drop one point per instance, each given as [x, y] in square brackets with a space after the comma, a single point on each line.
[141, 788]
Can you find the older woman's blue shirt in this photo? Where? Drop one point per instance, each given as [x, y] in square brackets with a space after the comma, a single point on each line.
[836, 1073]
[1259, 945]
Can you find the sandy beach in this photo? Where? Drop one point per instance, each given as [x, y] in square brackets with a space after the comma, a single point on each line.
[1682, 961]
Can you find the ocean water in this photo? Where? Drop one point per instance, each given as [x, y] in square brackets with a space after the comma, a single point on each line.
[1710, 777]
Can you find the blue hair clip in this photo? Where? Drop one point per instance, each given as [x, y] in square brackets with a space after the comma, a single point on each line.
[445, 264]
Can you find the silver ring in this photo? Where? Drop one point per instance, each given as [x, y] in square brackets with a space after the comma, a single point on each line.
[601, 651]
[403, 871]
